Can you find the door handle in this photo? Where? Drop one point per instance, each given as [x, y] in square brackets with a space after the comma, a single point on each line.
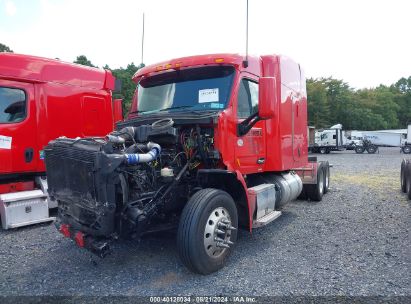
[28, 155]
[261, 160]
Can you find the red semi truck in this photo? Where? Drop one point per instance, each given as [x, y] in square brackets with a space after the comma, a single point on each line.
[42, 99]
[212, 143]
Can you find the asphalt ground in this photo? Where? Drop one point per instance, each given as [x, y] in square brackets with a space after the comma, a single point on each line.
[355, 242]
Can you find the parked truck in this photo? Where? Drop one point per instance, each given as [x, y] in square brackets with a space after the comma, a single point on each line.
[406, 142]
[327, 140]
[212, 143]
[42, 99]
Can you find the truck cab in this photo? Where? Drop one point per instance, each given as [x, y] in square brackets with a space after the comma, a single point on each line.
[212, 143]
[42, 99]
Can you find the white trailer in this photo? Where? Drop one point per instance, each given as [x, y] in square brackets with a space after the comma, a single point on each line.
[384, 138]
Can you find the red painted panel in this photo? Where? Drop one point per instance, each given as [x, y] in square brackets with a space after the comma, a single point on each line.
[64, 99]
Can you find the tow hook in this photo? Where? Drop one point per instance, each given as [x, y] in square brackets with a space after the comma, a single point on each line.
[98, 247]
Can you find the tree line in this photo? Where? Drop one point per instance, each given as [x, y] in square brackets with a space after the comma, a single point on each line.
[330, 101]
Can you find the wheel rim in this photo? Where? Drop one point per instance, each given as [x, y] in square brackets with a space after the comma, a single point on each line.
[321, 184]
[217, 232]
[327, 180]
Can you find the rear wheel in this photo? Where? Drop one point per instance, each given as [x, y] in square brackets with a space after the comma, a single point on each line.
[402, 176]
[408, 179]
[323, 150]
[207, 230]
[372, 149]
[315, 192]
[359, 149]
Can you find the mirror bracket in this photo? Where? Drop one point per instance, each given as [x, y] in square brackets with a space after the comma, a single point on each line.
[245, 126]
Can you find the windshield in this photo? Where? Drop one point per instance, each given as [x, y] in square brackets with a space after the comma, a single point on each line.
[205, 88]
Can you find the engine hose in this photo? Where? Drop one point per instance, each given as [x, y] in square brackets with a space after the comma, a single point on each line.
[151, 207]
[136, 158]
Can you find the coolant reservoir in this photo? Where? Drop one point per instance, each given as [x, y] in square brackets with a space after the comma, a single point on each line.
[167, 172]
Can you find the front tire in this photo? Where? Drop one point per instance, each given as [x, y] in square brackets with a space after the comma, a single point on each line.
[207, 231]
[323, 150]
[406, 149]
[359, 149]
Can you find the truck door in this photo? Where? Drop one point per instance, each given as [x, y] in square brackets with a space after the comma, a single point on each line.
[18, 127]
[249, 148]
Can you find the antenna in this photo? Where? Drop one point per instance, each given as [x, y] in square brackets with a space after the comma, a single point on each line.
[142, 44]
[245, 62]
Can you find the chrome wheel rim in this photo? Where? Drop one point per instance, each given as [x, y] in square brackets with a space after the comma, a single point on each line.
[321, 183]
[327, 180]
[217, 232]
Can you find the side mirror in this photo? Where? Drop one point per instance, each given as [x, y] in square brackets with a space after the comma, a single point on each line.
[267, 97]
[117, 110]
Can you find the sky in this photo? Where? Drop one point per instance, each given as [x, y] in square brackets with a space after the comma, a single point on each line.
[365, 43]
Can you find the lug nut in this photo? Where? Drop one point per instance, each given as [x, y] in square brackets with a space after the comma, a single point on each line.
[222, 225]
[218, 231]
[222, 245]
[217, 239]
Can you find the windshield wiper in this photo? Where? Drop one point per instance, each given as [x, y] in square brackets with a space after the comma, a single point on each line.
[177, 107]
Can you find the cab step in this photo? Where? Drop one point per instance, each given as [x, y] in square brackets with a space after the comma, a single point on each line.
[266, 219]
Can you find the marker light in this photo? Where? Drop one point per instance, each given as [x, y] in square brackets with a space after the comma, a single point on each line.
[168, 66]
[64, 229]
[219, 60]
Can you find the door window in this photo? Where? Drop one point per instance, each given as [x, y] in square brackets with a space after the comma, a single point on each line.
[12, 105]
[247, 100]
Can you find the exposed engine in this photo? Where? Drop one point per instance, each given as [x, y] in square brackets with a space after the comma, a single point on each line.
[133, 180]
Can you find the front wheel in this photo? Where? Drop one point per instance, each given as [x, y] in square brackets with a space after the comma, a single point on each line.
[207, 231]
[406, 149]
[323, 150]
[359, 149]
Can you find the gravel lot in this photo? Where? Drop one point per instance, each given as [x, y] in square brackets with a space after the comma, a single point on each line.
[355, 242]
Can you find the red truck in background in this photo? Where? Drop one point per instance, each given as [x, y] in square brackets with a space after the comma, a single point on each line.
[212, 143]
[42, 99]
